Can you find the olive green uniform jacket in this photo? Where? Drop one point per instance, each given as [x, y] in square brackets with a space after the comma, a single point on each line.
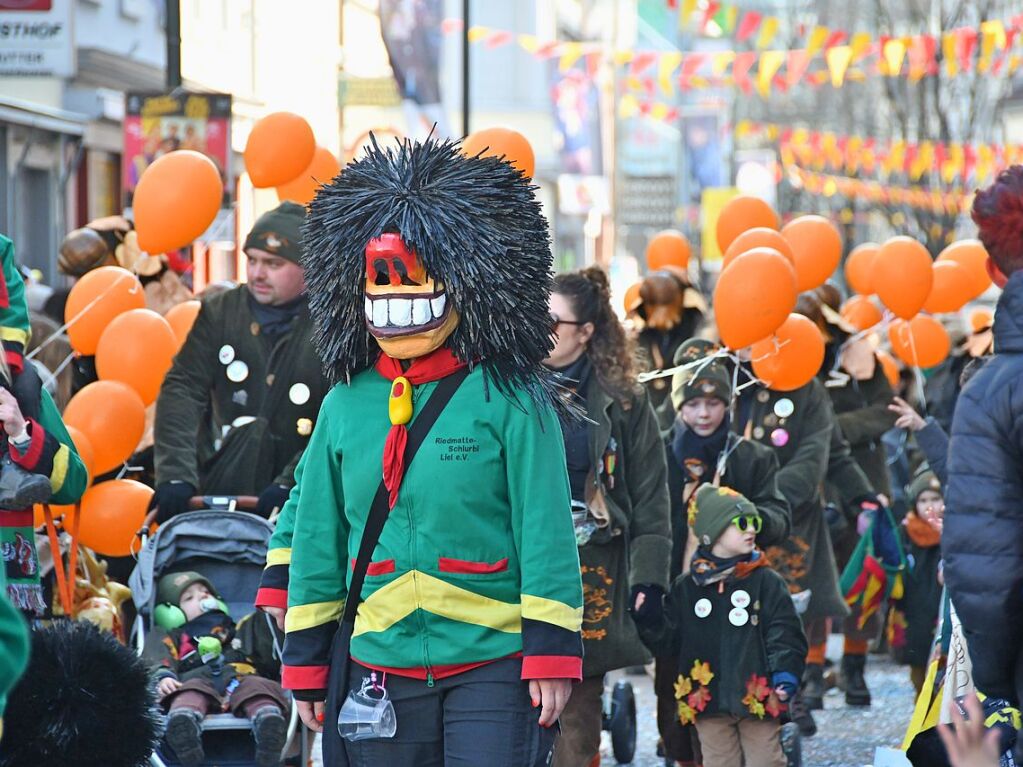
[629, 479]
[235, 412]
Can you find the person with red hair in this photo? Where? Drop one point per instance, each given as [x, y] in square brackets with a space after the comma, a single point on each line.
[982, 542]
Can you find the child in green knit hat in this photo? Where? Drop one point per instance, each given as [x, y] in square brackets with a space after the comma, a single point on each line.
[735, 630]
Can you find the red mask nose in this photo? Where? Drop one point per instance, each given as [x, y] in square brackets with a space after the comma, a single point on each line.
[388, 256]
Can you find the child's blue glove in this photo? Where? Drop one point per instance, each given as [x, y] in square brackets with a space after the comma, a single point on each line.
[785, 684]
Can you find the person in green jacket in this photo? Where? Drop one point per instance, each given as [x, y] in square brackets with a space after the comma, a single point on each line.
[13, 647]
[617, 476]
[424, 263]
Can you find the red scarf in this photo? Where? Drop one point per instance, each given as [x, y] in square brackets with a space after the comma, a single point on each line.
[434, 366]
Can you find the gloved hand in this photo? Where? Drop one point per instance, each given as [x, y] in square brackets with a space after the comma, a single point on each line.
[272, 498]
[785, 684]
[651, 607]
[171, 499]
[869, 505]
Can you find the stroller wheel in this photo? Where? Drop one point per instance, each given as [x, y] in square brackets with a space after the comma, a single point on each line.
[623, 722]
[792, 744]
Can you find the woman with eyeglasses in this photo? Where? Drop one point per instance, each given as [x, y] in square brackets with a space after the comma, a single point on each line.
[620, 503]
[703, 450]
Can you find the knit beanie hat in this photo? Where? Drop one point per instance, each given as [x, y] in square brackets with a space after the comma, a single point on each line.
[925, 480]
[279, 231]
[715, 509]
[173, 585]
[710, 380]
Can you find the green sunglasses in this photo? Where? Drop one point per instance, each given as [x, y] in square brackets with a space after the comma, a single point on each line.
[746, 522]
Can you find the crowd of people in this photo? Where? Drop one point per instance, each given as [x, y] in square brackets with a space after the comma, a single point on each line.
[426, 561]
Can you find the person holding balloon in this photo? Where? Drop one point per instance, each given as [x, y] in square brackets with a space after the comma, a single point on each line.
[249, 359]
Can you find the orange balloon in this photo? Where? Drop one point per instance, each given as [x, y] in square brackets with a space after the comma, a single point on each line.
[181, 318]
[950, 290]
[668, 248]
[981, 319]
[861, 313]
[758, 237]
[921, 342]
[632, 298]
[510, 145]
[741, 214]
[280, 146]
[112, 512]
[321, 170]
[972, 255]
[902, 276]
[791, 357]
[137, 349]
[112, 417]
[754, 296]
[176, 200]
[890, 367]
[95, 300]
[84, 449]
[817, 245]
[859, 268]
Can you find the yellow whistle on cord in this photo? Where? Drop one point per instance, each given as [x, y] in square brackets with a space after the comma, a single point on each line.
[399, 406]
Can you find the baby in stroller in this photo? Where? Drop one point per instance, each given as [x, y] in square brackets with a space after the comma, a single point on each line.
[205, 664]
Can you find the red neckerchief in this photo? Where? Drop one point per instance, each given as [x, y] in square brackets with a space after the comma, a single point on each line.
[434, 366]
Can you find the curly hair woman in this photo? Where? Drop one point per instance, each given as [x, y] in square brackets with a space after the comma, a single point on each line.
[617, 475]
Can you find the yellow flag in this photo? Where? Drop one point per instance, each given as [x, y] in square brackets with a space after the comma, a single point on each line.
[622, 57]
[666, 67]
[894, 54]
[817, 39]
[992, 38]
[688, 9]
[478, 33]
[838, 62]
[949, 47]
[570, 54]
[529, 43]
[628, 106]
[721, 62]
[859, 44]
[659, 111]
[768, 29]
[770, 63]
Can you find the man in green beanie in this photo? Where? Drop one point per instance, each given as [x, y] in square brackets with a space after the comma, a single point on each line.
[237, 407]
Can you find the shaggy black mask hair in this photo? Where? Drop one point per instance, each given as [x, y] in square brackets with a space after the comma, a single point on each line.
[85, 700]
[477, 227]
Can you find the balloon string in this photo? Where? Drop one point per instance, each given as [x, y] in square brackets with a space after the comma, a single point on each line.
[917, 372]
[60, 331]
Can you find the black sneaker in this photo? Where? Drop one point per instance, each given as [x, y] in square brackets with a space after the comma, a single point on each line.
[801, 715]
[184, 735]
[856, 692]
[813, 687]
[21, 489]
[270, 731]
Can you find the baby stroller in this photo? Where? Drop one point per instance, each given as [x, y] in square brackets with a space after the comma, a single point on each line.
[228, 547]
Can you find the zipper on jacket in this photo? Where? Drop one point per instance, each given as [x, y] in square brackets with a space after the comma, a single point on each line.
[419, 603]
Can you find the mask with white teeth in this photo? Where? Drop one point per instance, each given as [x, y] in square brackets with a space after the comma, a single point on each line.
[407, 311]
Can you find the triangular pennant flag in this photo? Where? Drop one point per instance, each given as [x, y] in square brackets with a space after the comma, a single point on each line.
[859, 45]
[818, 37]
[727, 18]
[570, 54]
[666, 68]
[721, 62]
[529, 43]
[798, 61]
[498, 38]
[740, 70]
[628, 106]
[839, 58]
[478, 33]
[641, 60]
[713, 6]
[770, 63]
[749, 24]
[450, 26]
[992, 37]
[894, 52]
[949, 44]
[686, 14]
[593, 63]
[838, 37]
[767, 32]
[967, 39]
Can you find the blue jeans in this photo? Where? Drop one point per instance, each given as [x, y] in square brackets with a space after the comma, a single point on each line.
[480, 717]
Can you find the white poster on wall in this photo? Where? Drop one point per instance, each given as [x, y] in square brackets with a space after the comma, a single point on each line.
[36, 38]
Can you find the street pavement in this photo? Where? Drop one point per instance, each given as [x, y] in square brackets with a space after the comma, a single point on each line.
[846, 737]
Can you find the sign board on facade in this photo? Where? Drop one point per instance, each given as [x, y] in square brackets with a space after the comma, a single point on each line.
[155, 124]
[367, 92]
[36, 38]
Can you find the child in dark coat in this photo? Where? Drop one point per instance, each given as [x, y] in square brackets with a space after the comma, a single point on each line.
[738, 638]
[202, 667]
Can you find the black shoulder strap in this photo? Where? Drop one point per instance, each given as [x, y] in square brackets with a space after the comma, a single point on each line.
[379, 510]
